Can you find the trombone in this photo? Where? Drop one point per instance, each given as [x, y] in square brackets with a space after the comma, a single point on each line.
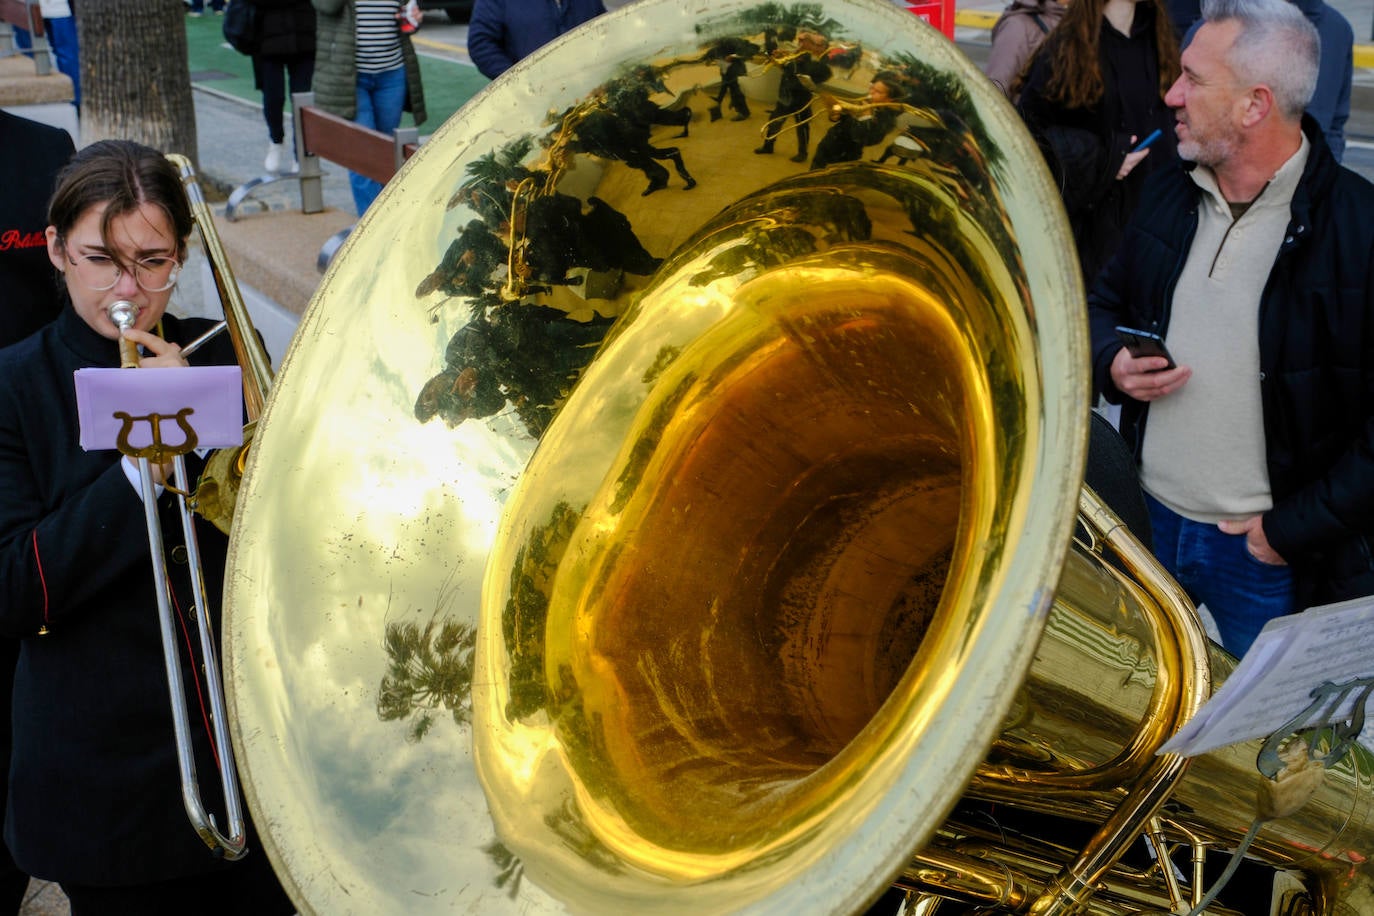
[834, 106]
[230, 843]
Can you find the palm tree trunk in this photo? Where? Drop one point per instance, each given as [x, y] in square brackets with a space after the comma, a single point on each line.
[135, 80]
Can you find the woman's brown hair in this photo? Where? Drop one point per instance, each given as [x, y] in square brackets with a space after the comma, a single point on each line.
[123, 175]
[1075, 63]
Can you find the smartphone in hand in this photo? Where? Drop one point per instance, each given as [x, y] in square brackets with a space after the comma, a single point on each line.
[1144, 343]
[1154, 135]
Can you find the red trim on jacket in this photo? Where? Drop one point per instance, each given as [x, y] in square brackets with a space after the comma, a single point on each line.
[41, 578]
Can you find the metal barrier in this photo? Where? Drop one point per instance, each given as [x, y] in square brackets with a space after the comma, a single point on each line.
[27, 15]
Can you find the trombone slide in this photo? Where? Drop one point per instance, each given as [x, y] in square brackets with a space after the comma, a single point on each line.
[233, 844]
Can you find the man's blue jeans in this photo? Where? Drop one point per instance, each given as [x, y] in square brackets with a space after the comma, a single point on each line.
[381, 96]
[1216, 569]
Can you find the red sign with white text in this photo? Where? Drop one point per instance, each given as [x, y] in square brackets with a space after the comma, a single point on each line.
[939, 13]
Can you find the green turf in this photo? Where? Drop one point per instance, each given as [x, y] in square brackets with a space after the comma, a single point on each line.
[215, 65]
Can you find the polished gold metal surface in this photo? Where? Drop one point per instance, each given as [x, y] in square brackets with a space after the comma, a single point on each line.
[366, 530]
[217, 488]
[618, 538]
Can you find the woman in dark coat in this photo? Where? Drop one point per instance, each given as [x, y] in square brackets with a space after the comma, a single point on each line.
[286, 56]
[1094, 89]
[94, 796]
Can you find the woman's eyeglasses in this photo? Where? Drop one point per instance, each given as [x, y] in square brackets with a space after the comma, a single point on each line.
[101, 272]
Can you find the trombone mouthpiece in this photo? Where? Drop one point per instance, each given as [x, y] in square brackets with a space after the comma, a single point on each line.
[123, 313]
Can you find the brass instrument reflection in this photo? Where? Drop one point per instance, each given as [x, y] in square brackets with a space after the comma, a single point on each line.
[545, 264]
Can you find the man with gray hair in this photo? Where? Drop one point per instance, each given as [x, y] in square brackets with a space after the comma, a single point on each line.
[1253, 258]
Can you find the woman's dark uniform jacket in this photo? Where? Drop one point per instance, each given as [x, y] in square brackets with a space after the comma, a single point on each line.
[94, 793]
[1316, 342]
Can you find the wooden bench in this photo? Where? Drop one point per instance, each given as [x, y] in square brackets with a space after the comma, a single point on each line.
[27, 15]
[321, 135]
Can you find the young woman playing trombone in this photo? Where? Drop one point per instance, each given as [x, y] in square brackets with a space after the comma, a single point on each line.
[94, 801]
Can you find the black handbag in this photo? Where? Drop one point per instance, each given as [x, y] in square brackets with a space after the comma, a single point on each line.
[241, 27]
[1078, 161]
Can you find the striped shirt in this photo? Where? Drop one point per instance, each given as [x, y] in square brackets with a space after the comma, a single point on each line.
[378, 46]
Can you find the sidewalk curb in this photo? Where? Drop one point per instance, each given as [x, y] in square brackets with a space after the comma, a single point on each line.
[433, 44]
[216, 187]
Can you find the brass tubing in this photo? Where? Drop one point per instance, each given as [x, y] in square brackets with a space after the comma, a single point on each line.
[216, 491]
[1007, 876]
[1180, 635]
[1166, 870]
[967, 880]
[257, 368]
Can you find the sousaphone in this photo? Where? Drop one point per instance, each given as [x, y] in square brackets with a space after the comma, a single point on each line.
[642, 519]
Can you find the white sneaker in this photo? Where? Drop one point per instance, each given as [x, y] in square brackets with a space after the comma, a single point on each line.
[276, 158]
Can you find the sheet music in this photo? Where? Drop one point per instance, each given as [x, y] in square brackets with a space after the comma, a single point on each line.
[1293, 655]
[213, 393]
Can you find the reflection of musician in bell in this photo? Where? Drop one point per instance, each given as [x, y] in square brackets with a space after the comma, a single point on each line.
[624, 135]
[95, 801]
[561, 237]
[862, 124]
[730, 55]
[794, 95]
[630, 97]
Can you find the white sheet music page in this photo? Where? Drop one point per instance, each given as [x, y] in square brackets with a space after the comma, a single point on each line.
[1293, 655]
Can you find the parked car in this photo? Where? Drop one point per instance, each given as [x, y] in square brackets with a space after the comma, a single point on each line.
[456, 10]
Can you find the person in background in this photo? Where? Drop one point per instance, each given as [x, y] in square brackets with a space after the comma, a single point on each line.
[1019, 30]
[802, 67]
[862, 124]
[1094, 89]
[366, 70]
[501, 32]
[286, 56]
[197, 7]
[39, 152]
[36, 151]
[1330, 103]
[1184, 14]
[1253, 262]
[59, 26]
[731, 55]
[94, 799]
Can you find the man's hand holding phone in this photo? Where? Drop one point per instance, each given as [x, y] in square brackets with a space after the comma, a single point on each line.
[1137, 153]
[1143, 369]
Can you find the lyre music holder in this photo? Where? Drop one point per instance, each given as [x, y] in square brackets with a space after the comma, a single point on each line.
[127, 411]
